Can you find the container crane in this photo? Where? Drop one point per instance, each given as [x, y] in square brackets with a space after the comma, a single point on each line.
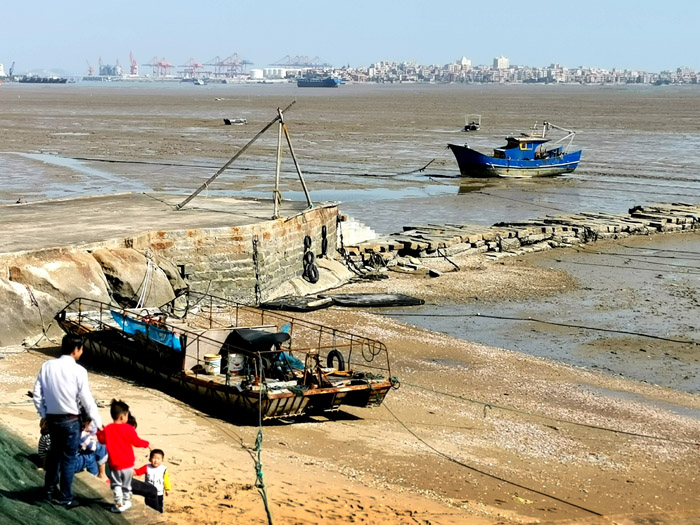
[133, 66]
[192, 69]
[91, 69]
[228, 67]
[161, 68]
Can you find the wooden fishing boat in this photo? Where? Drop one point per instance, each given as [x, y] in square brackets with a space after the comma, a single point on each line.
[528, 155]
[250, 361]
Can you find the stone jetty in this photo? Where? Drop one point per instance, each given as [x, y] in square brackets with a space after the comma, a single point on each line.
[137, 250]
[515, 238]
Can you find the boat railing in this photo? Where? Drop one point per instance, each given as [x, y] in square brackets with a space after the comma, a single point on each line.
[206, 321]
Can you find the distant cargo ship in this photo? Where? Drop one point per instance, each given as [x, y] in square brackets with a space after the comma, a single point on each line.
[33, 79]
[319, 82]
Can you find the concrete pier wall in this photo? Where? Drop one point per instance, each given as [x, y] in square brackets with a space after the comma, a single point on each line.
[221, 260]
[36, 284]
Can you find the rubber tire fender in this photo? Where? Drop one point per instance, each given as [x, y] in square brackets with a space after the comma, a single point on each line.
[311, 273]
[309, 258]
[307, 242]
[335, 355]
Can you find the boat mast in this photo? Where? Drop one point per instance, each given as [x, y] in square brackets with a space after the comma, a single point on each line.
[240, 152]
[570, 134]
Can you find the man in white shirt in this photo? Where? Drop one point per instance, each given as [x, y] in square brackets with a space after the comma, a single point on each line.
[60, 388]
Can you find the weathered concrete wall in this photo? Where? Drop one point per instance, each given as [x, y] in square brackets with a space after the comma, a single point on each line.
[218, 260]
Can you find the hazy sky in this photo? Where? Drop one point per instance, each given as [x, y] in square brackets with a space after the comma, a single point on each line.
[63, 35]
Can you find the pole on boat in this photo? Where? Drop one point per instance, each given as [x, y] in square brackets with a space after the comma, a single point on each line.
[240, 152]
[277, 196]
[294, 157]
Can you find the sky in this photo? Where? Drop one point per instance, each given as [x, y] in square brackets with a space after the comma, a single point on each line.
[63, 36]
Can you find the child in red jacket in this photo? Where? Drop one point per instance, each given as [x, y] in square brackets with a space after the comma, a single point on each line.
[120, 438]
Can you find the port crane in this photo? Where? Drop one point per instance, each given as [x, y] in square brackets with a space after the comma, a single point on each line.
[228, 67]
[133, 66]
[301, 61]
[193, 69]
[161, 68]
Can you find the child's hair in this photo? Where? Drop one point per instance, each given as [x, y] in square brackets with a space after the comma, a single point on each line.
[43, 426]
[84, 417]
[131, 420]
[117, 408]
[156, 451]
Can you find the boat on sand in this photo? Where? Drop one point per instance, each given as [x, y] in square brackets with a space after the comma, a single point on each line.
[528, 155]
[249, 361]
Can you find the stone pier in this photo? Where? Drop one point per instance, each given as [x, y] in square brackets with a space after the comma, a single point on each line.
[107, 247]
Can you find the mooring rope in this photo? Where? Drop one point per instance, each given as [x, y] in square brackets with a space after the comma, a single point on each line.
[489, 406]
[553, 323]
[259, 483]
[483, 473]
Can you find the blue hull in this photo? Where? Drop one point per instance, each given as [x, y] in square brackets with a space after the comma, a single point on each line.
[318, 82]
[474, 164]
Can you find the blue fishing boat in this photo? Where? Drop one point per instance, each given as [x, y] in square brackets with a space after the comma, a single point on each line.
[529, 155]
[319, 82]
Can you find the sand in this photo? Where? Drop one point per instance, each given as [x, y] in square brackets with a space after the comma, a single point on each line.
[473, 435]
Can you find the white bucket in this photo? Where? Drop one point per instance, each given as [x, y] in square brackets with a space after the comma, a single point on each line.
[235, 364]
[212, 364]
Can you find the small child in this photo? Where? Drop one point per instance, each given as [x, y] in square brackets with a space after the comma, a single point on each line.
[92, 455]
[157, 475]
[44, 442]
[120, 438]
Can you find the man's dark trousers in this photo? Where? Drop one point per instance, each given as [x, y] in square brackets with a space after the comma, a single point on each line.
[60, 462]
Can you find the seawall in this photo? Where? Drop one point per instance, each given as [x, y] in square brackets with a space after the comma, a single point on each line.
[135, 250]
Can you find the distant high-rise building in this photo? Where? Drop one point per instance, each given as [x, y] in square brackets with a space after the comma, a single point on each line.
[465, 63]
[501, 63]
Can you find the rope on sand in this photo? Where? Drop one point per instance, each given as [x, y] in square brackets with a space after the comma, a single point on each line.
[488, 406]
[259, 483]
[553, 323]
[493, 476]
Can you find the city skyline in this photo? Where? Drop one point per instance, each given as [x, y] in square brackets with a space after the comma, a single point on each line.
[614, 34]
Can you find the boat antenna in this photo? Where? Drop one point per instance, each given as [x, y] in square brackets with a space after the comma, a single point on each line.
[238, 154]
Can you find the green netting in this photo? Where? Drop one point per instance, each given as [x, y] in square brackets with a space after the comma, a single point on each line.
[21, 492]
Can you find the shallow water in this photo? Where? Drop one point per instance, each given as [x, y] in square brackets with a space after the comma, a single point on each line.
[365, 145]
[635, 314]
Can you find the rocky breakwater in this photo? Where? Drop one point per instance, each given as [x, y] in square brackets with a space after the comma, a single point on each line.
[516, 238]
[34, 286]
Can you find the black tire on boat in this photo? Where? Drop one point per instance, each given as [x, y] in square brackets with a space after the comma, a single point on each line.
[334, 355]
[307, 242]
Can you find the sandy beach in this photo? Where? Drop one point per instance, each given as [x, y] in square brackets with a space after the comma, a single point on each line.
[475, 434]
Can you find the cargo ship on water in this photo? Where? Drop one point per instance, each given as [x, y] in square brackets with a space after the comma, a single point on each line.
[319, 82]
[33, 79]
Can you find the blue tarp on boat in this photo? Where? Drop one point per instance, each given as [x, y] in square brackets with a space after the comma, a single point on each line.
[159, 335]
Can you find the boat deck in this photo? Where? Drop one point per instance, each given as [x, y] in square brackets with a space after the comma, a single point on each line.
[85, 220]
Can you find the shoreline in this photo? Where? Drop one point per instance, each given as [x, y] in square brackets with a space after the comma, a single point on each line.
[470, 430]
